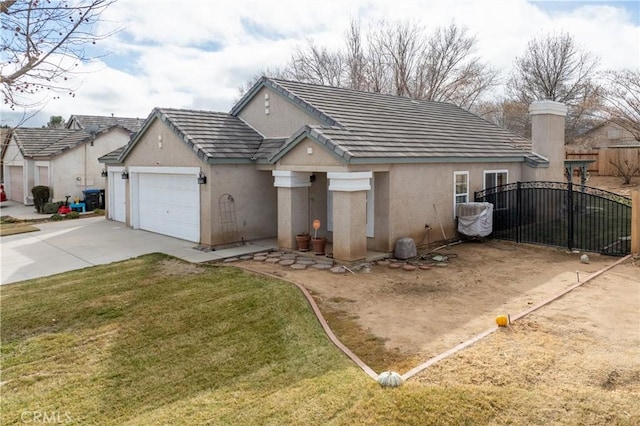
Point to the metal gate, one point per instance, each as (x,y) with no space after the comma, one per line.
(561,214)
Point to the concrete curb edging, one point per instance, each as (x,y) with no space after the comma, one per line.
(414,371)
(323,322)
(490,331)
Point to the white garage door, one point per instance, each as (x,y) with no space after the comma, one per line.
(117,209)
(169,204)
(16,188)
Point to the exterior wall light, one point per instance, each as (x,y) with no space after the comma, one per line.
(125,174)
(202,179)
(103,173)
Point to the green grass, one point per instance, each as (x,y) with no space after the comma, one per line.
(153,340)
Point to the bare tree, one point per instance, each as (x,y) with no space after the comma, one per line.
(403,45)
(401,59)
(451,72)
(554,68)
(626,169)
(316,64)
(42,42)
(274,72)
(622,97)
(355,57)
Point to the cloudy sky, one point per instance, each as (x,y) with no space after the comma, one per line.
(197,53)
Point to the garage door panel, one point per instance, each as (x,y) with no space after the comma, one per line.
(169,204)
(117,197)
(16,188)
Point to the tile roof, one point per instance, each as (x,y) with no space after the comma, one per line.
(46,142)
(359,127)
(112,157)
(103,122)
(364,127)
(213,136)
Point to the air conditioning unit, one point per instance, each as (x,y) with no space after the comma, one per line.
(475,219)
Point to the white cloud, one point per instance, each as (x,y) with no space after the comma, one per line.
(197,54)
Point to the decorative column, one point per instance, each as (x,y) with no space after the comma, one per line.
(293,205)
(349,191)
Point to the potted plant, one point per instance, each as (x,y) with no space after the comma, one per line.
(303,241)
(319,244)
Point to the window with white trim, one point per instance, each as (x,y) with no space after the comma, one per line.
(493,178)
(460,189)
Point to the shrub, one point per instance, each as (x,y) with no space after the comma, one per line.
(51,208)
(98,212)
(72,215)
(57,217)
(41,195)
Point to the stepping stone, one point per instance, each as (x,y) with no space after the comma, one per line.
(321,266)
(230,259)
(298,266)
(408,267)
(246,257)
(305,261)
(259,258)
(338,270)
(424,267)
(274,254)
(289,256)
(272,260)
(395,265)
(383,263)
(287,262)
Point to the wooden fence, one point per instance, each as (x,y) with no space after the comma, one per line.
(604,158)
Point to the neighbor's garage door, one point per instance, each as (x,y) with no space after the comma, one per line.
(16,188)
(169,204)
(117,209)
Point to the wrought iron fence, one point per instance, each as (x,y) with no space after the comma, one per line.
(561,214)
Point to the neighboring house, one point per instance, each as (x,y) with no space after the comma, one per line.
(64,159)
(372,168)
(97,122)
(5,133)
(605,135)
(606,147)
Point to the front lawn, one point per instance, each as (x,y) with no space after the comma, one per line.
(154,340)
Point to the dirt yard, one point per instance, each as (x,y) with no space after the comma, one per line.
(422,313)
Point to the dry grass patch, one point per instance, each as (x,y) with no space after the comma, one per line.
(16,228)
(367,346)
(546,377)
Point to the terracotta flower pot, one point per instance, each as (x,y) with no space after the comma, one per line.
(303,241)
(319,245)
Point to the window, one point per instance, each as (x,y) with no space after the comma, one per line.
(460,189)
(493,178)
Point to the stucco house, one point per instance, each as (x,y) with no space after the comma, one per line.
(64,159)
(372,168)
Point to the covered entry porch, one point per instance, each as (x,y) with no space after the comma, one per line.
(343,202)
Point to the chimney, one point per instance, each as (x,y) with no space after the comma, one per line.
(547,138)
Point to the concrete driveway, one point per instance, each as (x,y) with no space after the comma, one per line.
(74,244)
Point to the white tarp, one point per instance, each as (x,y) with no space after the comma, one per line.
(475,219)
